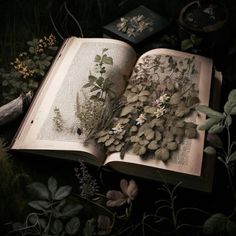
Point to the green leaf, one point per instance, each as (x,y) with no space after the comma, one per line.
(39,205)
(209,112)
(215,224)
(63,192)
(228,120)
(97,59)
(92,79)
(52,186)
(107,60)
(209,123)
(40,190)
(72,226)
(232,157)
(232,95)
(216,129)
(210,150)
(89,227)
(57,227)
(186,44)
(229,106)
(71,210)
(231,228)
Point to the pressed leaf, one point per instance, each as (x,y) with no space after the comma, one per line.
(152,145)
(232,157)
(126,110)
(175,98)
(107,60)
(142,98)
(209,112)
(40,190)
(132,98)
(97,58)
(144,93)
(92,79)
(142,150)
(104,138)
(109,141)
(149,134)
(52,186)
(215,224)
(162,154)
(172,146)
(39,205)
(72,226)
(191,133)
(63,192)
(33,218)
(148,109)
(209,123)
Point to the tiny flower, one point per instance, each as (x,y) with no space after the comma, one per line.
(159,112)
(117,129)
(164,98)
(104,225)
(118,198)
(141,119)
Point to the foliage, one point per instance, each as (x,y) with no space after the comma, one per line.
(191,43)
(215,124)
(52,215)
(27,69)
(160,94)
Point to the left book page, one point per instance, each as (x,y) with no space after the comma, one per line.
(80,69)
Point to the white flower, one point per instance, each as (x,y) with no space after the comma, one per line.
(160,112)
(164,98)
(141,119)
(117,129)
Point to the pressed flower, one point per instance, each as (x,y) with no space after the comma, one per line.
(129,191)
(117,129)
(159,112)
(141,119)
(164,98)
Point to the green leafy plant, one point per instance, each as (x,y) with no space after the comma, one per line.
(26,71)
(157,99)
(191,43)
(52,215)
(98,82)
(215,124)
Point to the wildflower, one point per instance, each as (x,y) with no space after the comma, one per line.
(118,198)
(164,98)
(141,119)
(117,129)
(104,225)
(159,112)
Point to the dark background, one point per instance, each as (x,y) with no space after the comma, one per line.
(23,20)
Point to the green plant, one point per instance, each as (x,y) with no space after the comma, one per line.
(52,214)
(27,70)
(215,124)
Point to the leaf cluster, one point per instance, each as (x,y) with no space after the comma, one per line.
(152,118)
(26,71)
(52,214)
(99,84)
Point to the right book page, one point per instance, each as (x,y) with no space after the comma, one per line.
(190,74)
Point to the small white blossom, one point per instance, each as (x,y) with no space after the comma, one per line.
(141,119)
(164,98)
(117,129)
(160,112)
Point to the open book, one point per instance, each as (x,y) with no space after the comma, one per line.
(101,104)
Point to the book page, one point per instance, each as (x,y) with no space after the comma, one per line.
(189,155)
(52,122)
